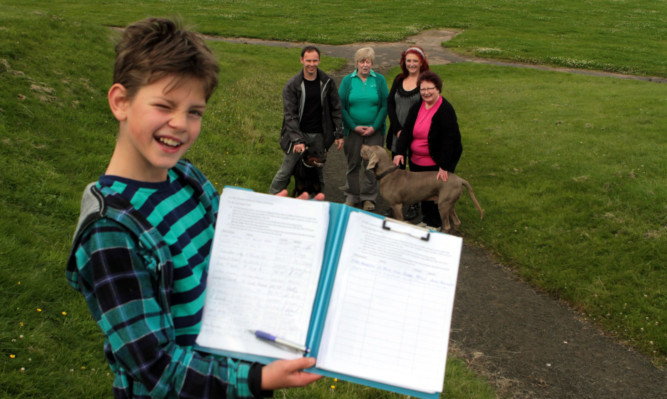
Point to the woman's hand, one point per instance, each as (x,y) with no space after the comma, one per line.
(398,134)
(442,175)
(369,130)
(360,129)
(288,373)
(364,130)
(399,160)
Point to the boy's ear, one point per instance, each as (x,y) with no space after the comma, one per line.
(118,101)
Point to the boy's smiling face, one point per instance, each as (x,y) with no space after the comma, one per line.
(157,126)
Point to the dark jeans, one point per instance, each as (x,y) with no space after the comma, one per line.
(430,213)
(284,175)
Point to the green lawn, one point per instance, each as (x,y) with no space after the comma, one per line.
(612,35)
(569,169)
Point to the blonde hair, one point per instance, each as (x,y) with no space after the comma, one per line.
(364,53)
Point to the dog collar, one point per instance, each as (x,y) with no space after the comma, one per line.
(386,172)
(303,161)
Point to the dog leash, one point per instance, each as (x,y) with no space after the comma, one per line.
(386,172)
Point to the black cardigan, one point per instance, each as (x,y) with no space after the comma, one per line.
(444,137)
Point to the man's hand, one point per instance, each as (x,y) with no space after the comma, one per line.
(318,196)
(399,160)
(288,373)
(339,144)
(299,148)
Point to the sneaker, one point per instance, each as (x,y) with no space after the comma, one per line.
(349,202)
(411,212)
(369,205)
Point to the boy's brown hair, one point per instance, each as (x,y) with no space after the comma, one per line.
(154,48)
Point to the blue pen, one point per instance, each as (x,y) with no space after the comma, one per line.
(272,338)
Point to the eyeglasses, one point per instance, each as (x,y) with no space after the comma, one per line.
(427,88)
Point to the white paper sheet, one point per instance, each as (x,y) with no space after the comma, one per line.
(391,306)
(258,279)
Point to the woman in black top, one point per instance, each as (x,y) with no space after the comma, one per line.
(404,94)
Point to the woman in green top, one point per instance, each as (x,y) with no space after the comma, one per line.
(363,97)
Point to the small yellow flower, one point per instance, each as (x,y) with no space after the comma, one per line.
(39,310)
(335,379)
(19,283)
(12,356)
(333,387)
(21,324)
(64,313)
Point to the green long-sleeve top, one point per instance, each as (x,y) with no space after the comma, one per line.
(364,103)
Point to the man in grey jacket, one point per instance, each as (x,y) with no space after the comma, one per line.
(311,116)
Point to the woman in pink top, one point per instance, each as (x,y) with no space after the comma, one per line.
(431,138)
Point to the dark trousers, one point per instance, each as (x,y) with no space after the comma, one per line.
(430,213)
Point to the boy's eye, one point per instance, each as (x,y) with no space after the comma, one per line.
(197,113)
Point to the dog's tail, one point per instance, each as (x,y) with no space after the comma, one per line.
(472,197)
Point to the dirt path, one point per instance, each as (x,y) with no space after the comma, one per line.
(528,344)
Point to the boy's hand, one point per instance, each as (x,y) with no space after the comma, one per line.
(319,196)
(288,373)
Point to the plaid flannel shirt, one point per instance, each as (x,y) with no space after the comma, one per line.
(123,268)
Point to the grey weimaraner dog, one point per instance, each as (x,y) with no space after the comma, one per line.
(401,187)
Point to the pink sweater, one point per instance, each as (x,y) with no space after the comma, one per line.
(419,146)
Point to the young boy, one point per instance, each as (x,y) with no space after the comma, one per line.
(141,250)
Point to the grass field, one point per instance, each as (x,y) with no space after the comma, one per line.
(613,35)
(570,169)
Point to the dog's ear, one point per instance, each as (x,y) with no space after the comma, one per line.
(372,161)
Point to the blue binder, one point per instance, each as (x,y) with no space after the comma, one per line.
(339,216)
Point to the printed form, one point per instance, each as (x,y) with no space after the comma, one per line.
(391,306)
(265,266)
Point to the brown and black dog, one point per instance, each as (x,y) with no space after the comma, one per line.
(307,172)
(401,187)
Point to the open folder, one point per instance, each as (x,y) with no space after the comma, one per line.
(370,297)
